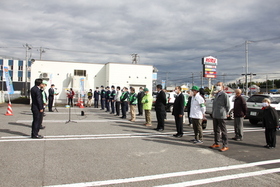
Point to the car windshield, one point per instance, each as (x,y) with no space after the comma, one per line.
(259,99)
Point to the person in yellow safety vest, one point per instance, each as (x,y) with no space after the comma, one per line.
(147,101)
(132,103)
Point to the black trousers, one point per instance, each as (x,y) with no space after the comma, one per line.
(95,103)
(112,106)
(179,124)
(118,104)
(50,105)
(102,103)
(140,108)
(36,123)
(107,105)
(70,101)
(270,136)
(160,113)
(124,108)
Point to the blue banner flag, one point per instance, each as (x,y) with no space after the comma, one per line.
(9,83)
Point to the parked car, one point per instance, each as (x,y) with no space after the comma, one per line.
(254,106)
(209,104)
(170,98)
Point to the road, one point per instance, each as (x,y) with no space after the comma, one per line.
(100,149)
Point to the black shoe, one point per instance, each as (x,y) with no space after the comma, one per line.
(156,129)
(266,146)
(160,130)
(42,127)
(175,135)
(37,137)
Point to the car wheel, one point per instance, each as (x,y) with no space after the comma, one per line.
(231,117)
(254,121)
(171,108)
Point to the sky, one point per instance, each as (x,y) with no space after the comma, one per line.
(171,35)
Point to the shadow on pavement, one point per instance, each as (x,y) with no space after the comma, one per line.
(8,131)
(19,124)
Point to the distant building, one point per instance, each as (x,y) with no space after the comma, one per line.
(66,75)
(17,71)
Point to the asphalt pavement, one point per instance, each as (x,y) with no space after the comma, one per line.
(100,149)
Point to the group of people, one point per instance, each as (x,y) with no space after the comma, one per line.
(117,101)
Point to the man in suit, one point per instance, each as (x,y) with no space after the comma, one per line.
(102,95)
(160,108)
(96,97)
(51,96)
(112,99)
(220,111)
(37,108)
(124,104)
(178,111)
(107,98)
(140,96)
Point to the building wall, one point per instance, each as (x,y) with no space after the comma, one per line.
(62,75)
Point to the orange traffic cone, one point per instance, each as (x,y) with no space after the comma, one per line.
(9,110)
(79,102)
(82,103)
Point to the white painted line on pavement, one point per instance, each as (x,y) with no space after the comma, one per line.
(99,136)
(222,178)
(178,174)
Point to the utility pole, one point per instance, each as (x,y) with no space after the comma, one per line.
(166,80)
(201,74)
(192,80)
(266,84)
(247,65)
(135,58)
(41,52)
(27,47)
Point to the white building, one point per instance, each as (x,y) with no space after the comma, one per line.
(17,70)
(67,75)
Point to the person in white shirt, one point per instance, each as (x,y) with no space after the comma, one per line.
(197,114)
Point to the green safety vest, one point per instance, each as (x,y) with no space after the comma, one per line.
(133,99)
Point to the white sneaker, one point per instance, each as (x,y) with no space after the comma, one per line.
(198,142)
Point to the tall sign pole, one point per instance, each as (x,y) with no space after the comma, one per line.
(209,68)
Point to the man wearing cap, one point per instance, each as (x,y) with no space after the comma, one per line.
(140,96)
(147,102)
(178,111)
(220,111)
(160,108)
(51,96)
(102,95)
(197,113)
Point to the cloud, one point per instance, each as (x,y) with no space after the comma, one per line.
(171,35)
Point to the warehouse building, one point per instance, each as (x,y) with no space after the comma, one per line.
(84,76)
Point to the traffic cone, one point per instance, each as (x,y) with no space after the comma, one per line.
(9,110)
(81,104)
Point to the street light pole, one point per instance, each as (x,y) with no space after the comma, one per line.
(247,66)
(26,68)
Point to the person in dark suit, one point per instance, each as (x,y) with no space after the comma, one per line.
(102,95)
(160,108)
(51,96)
(178,111)
(37,108)
(96,97)
(140,96)
(124,100)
